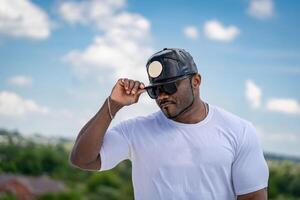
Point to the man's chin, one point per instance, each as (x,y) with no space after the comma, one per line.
(168,114)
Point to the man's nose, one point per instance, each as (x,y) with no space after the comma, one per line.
(162,95)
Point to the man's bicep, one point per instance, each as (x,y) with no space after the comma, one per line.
(257,195)
(115,148)
(92,166)
(249,171)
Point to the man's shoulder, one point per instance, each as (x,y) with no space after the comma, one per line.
(145,119)
(233,124)
(229,118)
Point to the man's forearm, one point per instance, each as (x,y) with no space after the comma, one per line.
(90,138)
(85,153)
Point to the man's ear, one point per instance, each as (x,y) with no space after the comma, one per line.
(196,80)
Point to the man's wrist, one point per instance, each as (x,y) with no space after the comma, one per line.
(114,106)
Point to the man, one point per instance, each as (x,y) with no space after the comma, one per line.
(187,150)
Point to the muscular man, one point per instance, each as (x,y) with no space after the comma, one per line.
(189,149)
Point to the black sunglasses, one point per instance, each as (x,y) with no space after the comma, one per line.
(168,88)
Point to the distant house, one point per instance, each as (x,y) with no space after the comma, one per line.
(27,187)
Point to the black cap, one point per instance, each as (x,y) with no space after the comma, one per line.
(169,65)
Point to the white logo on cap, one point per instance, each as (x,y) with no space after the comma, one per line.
(155,69)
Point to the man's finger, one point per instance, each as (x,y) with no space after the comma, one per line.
(142,86)
(140,91)
(135,87)
(126,83)
(121,81)
(131,84)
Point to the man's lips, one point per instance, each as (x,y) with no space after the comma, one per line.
(165,103)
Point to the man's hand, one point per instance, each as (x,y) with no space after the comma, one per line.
(127,91)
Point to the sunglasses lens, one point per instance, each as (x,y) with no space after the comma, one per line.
(152,92)
(169,88)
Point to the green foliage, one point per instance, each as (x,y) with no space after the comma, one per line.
(104,179)
(284,181)
(61,196)
(7,197)
(18,156)
(111,184)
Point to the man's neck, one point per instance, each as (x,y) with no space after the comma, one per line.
(194,114)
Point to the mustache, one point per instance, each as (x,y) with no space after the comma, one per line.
(162,102)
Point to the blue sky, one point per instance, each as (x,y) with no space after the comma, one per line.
(60,59)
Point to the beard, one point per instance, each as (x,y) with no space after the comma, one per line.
(171,111)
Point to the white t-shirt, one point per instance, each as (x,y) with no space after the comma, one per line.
(217,158)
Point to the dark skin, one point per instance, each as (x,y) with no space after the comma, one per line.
(182,100)
(85,153)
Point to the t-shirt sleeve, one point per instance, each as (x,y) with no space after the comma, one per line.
(249,170)
(115,148)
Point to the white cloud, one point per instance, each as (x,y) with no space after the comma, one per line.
(215,30)
(191,32)
(124,56)
(261,9)
(122,49)
(11,104)
(20,80)
(289,106)
(23,19)
(96,12)
(72,13)
(253,94)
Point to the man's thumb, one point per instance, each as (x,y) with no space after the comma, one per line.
(140,91)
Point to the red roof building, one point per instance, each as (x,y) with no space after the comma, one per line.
(27,187)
